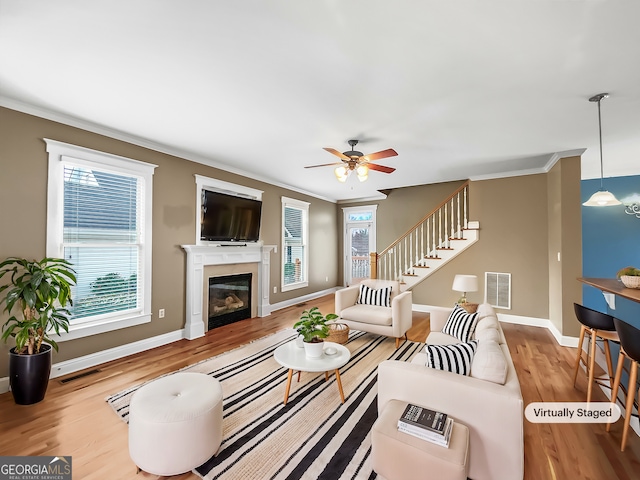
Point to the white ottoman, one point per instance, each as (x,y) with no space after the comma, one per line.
(175,423)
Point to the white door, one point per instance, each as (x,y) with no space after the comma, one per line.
(359,242)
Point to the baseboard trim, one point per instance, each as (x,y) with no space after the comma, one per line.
(302,299)
(76,364)
(563,340)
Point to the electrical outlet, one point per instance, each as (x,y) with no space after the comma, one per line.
(275,289)
(161,313)
(326,279)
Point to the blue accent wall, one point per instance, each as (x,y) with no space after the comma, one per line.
(610,241)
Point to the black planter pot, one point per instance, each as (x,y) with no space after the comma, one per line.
(29,375)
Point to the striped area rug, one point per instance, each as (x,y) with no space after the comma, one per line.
(314,436)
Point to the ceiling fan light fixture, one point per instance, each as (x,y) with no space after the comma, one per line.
(363,172)
(602,198)
(342,173)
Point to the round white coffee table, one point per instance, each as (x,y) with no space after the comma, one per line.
(293,357)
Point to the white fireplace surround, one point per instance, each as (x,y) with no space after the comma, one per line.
(200,256)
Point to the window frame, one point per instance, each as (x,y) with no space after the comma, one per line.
(61,154)
(304,207)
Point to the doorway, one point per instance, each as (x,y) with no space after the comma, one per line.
(359,242)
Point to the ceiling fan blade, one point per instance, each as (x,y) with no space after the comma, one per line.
(325,165)
(380,168)
(389,152)
(338,154)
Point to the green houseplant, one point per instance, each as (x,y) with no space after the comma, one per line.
(40,292)
(313,328)
(630,276)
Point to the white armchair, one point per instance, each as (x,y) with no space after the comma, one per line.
(391,321)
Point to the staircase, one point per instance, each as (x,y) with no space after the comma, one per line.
(441,235)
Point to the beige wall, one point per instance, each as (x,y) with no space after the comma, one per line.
(565,244)
(401,210)
(523,221)
(23,190)
(512,214)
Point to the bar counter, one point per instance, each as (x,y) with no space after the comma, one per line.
(613,285)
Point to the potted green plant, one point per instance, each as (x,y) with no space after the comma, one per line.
(313,328)
(40,291)
(630,276)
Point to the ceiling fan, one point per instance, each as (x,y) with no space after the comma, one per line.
(354,160)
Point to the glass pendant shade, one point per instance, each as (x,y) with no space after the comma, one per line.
(602,198)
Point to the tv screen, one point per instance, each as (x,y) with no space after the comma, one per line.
(229,218)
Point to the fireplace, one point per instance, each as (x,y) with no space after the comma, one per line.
(229,299)
(206,261)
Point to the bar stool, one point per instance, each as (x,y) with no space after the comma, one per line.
(630,348)
(596,325)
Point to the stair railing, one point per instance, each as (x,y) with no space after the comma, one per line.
(432,233)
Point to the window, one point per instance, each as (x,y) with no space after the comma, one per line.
(99,219)
(295,234)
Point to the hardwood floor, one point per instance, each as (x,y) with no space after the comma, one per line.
(75,420)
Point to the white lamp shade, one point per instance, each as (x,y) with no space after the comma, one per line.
(465,283)
(602,198)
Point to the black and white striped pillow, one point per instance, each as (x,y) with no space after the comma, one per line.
(454,358)
(370,296)
(461,324)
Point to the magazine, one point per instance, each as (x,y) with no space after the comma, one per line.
(438,439)
(423,418)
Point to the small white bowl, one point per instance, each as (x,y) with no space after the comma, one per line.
(330,351)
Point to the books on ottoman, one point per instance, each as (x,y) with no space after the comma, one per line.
(426,424)
(424,418)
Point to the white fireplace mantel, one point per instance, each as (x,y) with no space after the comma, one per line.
(200,256)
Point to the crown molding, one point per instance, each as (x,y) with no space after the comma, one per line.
(19,106)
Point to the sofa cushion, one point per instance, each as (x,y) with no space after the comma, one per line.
(488,322)
(488,334)
(454,358)
(439,338)
(370,296)
(489,362)
(367,314)
(461,324)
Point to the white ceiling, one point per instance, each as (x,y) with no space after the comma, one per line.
(460,89)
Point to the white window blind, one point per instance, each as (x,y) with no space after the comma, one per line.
(99,211)
(294,239)
(102,238)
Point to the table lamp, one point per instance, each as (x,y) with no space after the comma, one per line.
(464,284)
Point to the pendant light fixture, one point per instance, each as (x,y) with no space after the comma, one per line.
(602,198)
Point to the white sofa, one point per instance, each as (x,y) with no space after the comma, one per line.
(492,411)
(391,321)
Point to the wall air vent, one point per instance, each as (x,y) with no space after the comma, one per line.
(497,291)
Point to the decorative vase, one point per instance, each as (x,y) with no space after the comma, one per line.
(29,375)
(313,349)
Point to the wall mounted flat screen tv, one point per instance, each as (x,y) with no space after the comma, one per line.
(228,218)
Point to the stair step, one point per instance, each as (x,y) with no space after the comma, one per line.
(409,275)
(421,266)
(444,248)
(457,238)
(433,258)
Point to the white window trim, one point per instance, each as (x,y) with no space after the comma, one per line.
(60,152)
(292,202)
(220,186)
